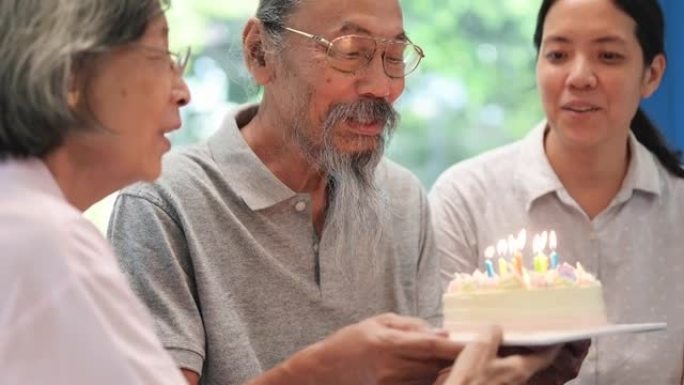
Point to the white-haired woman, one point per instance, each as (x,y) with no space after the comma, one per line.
(88,91)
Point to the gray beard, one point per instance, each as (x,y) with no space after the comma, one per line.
(358,211)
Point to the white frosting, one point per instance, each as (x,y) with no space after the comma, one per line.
(558,299)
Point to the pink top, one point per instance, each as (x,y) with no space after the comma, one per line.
(67,315)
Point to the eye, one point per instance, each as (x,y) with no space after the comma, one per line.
(555,56)
(358,54)
(611,57)
(394,55)
(394,60)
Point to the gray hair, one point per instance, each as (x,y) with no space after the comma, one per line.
(42,44)
(273,14)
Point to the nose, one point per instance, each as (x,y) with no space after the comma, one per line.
(180,92)
(373,81)
(582,75)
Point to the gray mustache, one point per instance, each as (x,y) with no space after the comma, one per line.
(363,111)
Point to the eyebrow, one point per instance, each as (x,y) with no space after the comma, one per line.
(349,27)
(611,39)
(600,40)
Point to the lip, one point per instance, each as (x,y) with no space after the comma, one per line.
(165,132)
(374,128)
(580,107)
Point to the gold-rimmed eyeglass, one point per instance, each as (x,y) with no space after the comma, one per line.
(350,53)
(178,59)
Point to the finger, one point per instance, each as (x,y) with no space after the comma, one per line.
(422,346)
(509,370)
(398,322)
(404,372)
(442,376)
(519,368)
(476,356)
(492,337)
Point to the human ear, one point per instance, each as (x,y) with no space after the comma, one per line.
(653,76)
(254,47)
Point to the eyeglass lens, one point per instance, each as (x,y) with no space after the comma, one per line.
(350,53)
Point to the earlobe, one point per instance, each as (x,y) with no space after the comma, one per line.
(73,97)
(654,75)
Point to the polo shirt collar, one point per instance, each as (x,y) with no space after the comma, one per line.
(644,171)
(248,176)
(535,177)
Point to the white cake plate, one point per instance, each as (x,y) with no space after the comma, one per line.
(544,338)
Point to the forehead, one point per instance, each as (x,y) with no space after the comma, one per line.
(591,19)
(157,29)
(378,17)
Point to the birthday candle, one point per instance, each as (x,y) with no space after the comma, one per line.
(503,267)
(540,261)
(489,266)
(552,245)
(554,260)
(518,262)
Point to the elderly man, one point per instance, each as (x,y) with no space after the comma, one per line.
(289,224)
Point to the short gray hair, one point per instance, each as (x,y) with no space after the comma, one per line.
(42,43)
(273,14)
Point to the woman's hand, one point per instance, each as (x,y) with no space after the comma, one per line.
(479,363)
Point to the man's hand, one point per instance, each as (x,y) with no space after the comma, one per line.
(387,349)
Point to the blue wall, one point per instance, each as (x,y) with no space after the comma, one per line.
(666,106)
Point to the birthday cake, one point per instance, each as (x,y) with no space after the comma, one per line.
(550,297)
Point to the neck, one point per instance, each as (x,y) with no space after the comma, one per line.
(271,143)
(82,182)
(592,176)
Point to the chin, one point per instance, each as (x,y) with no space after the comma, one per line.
(357,144)
(151,173)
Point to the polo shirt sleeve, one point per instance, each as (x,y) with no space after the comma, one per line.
(456,244)
(153,253)
(429,290)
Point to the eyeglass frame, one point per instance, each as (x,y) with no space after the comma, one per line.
(328,44)
(180,58)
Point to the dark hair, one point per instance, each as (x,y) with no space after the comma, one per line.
(650,33)
(42,43)
(274,13)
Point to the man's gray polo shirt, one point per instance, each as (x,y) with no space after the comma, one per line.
(226,258)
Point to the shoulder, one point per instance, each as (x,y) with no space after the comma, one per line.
(41,217)
(476,174)
(45,239)
(398,179)
(184,173)
(672,186)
